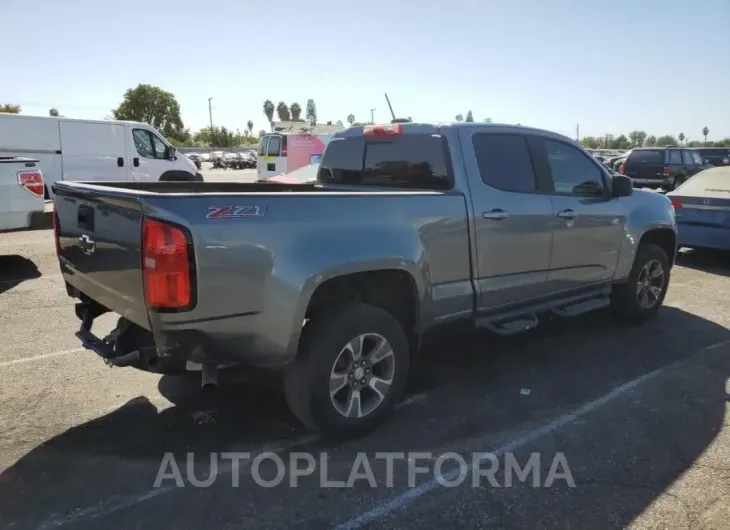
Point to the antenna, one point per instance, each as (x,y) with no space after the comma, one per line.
(390,106)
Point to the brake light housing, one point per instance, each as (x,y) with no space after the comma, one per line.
(32,182)
(676,203)
(168,266)
(666,171)
(391,129)
(621,169)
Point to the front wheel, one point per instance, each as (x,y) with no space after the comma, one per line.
(350,371)
(640,298)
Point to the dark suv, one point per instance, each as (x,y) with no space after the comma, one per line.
(716,156)
(665,167)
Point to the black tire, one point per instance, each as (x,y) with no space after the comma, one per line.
(678,181)
(306,380)
(624,297)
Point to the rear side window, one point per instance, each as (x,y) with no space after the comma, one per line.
(504,162)
(675,156)
(274,146)
(262,145)
(408,161)
(647,156)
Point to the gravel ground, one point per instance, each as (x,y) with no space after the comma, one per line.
(639,415)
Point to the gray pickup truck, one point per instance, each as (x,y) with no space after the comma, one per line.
(408,227)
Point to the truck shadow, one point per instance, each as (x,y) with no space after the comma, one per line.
(572,361)
(15,269)
(707,260)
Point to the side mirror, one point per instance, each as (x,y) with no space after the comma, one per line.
(171,151)
(623,186)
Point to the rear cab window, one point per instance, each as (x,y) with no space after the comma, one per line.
(272,145)
(646,156)
(411,161)
(263,143)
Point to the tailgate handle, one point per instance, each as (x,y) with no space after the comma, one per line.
(86,217)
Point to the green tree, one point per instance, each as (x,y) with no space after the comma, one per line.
(469,117)
(311,112)
(705,132)
(296,111)
(591,142)
(249,126)
(459,117)
(282,111)
(651,141)
(637,138)
(53,112)
(350,119)
(269,110)
(261,133)
(620,142)
(339,123)
(10,108)
(667,139)
(152,105)
(681,137)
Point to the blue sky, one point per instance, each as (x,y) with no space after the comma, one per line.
(658,65)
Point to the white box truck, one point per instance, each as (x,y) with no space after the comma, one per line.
(70,149)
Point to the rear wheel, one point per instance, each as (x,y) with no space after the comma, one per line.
(678,181)
(639,299)
(350,371)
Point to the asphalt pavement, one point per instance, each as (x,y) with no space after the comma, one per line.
(629,425)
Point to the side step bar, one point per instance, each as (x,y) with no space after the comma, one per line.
(526,319)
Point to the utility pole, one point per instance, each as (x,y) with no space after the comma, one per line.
(372,115)
(577,132)
(210,112)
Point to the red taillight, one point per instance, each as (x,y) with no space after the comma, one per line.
(621,169)
(31,181)
(392,129)
(166,266)
(666,171)
(283,146)
(676,203)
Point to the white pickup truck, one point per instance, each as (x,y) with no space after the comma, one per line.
(21,194)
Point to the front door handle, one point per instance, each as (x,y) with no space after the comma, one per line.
(120,162)
(135,162)
(567,214)
(495,215)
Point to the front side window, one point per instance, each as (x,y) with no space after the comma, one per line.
(504,162)
(159,145)
(143,143)
(573,172)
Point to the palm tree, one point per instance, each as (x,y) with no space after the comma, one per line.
(705,132)
(282,111)
(351,119)
(681,137)
(296,111)
(269,110)
(249,126)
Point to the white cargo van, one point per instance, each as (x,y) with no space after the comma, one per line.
(69,149)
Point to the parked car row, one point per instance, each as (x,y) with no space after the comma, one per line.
(242,160)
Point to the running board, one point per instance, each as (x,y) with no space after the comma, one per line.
(580,308)
(509,326)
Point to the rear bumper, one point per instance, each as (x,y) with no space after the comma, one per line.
(703,236)
(663,182)
(17,222)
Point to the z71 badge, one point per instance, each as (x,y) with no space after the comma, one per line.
(235,212)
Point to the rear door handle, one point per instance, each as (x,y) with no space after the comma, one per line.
(135,162)
(120,162)
(495,215)
(567,214)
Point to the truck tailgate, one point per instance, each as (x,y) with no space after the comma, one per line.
(100,238)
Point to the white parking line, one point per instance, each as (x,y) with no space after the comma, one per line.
(407,498)
(39,357)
